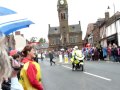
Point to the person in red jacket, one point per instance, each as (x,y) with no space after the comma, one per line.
(30,75)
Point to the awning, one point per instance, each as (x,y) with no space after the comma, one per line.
(5,11)
(11,26)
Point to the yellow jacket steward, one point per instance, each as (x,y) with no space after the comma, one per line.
(24,78)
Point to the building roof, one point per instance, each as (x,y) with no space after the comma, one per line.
(54,30)
(113,18)
(72,28)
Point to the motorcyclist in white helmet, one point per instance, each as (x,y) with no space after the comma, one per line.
(76,56)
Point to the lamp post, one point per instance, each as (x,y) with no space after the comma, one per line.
(115,20)
(115,24)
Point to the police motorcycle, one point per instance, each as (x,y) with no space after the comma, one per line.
(78,61)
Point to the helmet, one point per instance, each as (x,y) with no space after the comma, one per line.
(76,47)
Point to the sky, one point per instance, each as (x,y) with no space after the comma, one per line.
(44,12)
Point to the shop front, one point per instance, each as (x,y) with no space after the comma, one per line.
(112,39)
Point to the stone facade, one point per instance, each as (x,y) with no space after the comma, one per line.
(105,30)
(64,36)
(96,32)
(89,36)
(10,42)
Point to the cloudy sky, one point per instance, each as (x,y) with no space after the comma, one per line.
(44,12)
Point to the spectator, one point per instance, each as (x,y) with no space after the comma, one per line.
(30,75)
(51,58)
(16,65)
(5,67)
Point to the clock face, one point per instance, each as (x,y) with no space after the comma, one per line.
(61,2)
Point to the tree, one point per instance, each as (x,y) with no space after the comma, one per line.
(33,39)
(42,40)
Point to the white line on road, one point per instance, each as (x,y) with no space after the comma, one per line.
(97,76)
(91,74)
(66,67)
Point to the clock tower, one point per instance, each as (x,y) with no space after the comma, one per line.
(62,8)
(64,36)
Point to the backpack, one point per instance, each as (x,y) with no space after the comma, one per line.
(6,85)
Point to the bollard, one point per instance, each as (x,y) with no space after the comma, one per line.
(66,58)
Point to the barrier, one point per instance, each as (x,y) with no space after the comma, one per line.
(66,58)
(60,58)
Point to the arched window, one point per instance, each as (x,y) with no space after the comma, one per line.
(64,40)
(62,16)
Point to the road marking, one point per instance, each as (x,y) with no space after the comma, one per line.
(66,67)
(97,76)
(91,74)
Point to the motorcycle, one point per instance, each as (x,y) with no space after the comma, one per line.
(78,63)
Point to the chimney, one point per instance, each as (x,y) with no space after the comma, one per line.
(22,35)
(79,23)
(107,15)
(17,33)
(49,25)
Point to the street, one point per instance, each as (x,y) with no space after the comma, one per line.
(98,75)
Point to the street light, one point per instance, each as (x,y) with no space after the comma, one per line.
(115,20)
(115,24)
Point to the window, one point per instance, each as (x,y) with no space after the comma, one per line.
(76,39)
(53,42)
(55,29)
(64,40)
(70,39)
(63,27)
(73,27)
(113,27)
(57,41)
(63,16)
(73,39)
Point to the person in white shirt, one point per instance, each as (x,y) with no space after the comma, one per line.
(16,65)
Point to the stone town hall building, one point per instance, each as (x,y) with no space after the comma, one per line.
(64,36)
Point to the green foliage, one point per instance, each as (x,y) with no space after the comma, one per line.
(42,40)
(33,39)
